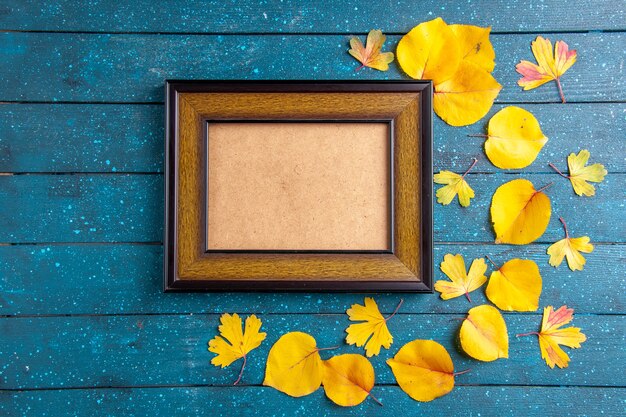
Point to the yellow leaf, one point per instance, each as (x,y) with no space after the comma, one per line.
(373,328)
(294,365)
(519,213)
(570,248)
(475,45)
(514,138)
(235,343)
(579,173)
(456,184)
(348,379)
(370,56)
(423,369)
(551,67)
(429,51)
(461,282)
(483,334)
(467,96)
(551,336)
(515,286)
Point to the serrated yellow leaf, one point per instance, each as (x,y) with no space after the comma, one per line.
(348,379)
(580,173)
(294,365)
(371,55)
(430,51)
(373,331)
(475,45)
(514,138)
(467,96)
(570,248)
(483,334)
(515,286)
(461,282)
(423,369)
(519,213)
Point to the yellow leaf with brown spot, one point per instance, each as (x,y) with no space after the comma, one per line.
(475,45)
(348,379)
(371,55)
(515,286)
(484,335)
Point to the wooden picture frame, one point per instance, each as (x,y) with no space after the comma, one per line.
(200,111)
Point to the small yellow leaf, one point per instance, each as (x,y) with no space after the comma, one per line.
(371,55)
(519,213)
(580,173)
(456,184)
(423,369)
(294,365)
(551,336)
(475,45)
(467,96)
(373,331)
(235,343)
(514,138)
(483,334)
(429,51)
(348,379)
(570,248)
(515,286)
(461,282)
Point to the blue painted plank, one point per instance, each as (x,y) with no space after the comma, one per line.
(261,401)
(129,208)
(126,351)
(132,68)
(129,138)
(305,16)
(127,279)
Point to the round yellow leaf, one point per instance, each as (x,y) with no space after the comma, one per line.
(294,365)
(467,96)
(348,379)
(429,51)
(514,138)
(423,369)
(519,213)
(483,334)
(475,45)
(516,286)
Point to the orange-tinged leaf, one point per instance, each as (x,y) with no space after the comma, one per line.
(519,213)
(461,282)
(467,96)
(570,248)
(514,138)
(371,55)
(552,336)
(515,286)
(348,379)
(455,184)
(429,51)
(483,334)
(294,365)
(423,369)
(233,343)
(475,45)
(373,331)
(550,66)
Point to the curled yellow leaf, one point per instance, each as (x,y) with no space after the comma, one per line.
(519,213)
(483,334)
(515,286)
(475,45)
(348,379)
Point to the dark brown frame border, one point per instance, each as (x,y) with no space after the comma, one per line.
(407,105)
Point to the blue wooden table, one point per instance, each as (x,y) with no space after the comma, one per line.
(84,326)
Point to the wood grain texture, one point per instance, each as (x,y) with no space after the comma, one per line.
(94,68)
(317,16)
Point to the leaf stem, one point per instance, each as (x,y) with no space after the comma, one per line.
(545,187)
(564,227)
(558,84)
(474,161)
(461,372)
(557,170)
(241,372)
(468,297)
(359,67)
(396,310)
(492,262)
(527,334)
(328,348)
(478,135)
(375,399)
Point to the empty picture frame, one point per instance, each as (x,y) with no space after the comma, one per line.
(298,186)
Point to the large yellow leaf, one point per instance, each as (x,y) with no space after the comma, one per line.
(423,369)
(519,213)
(371,55)
(514,138)
(551,336)
(294,365)
(467,96)
(348,379)
(461,282)
(483,334)
(475,45)
(515,286)
(235,343)
(570,248)
(373,331)
(429,51)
